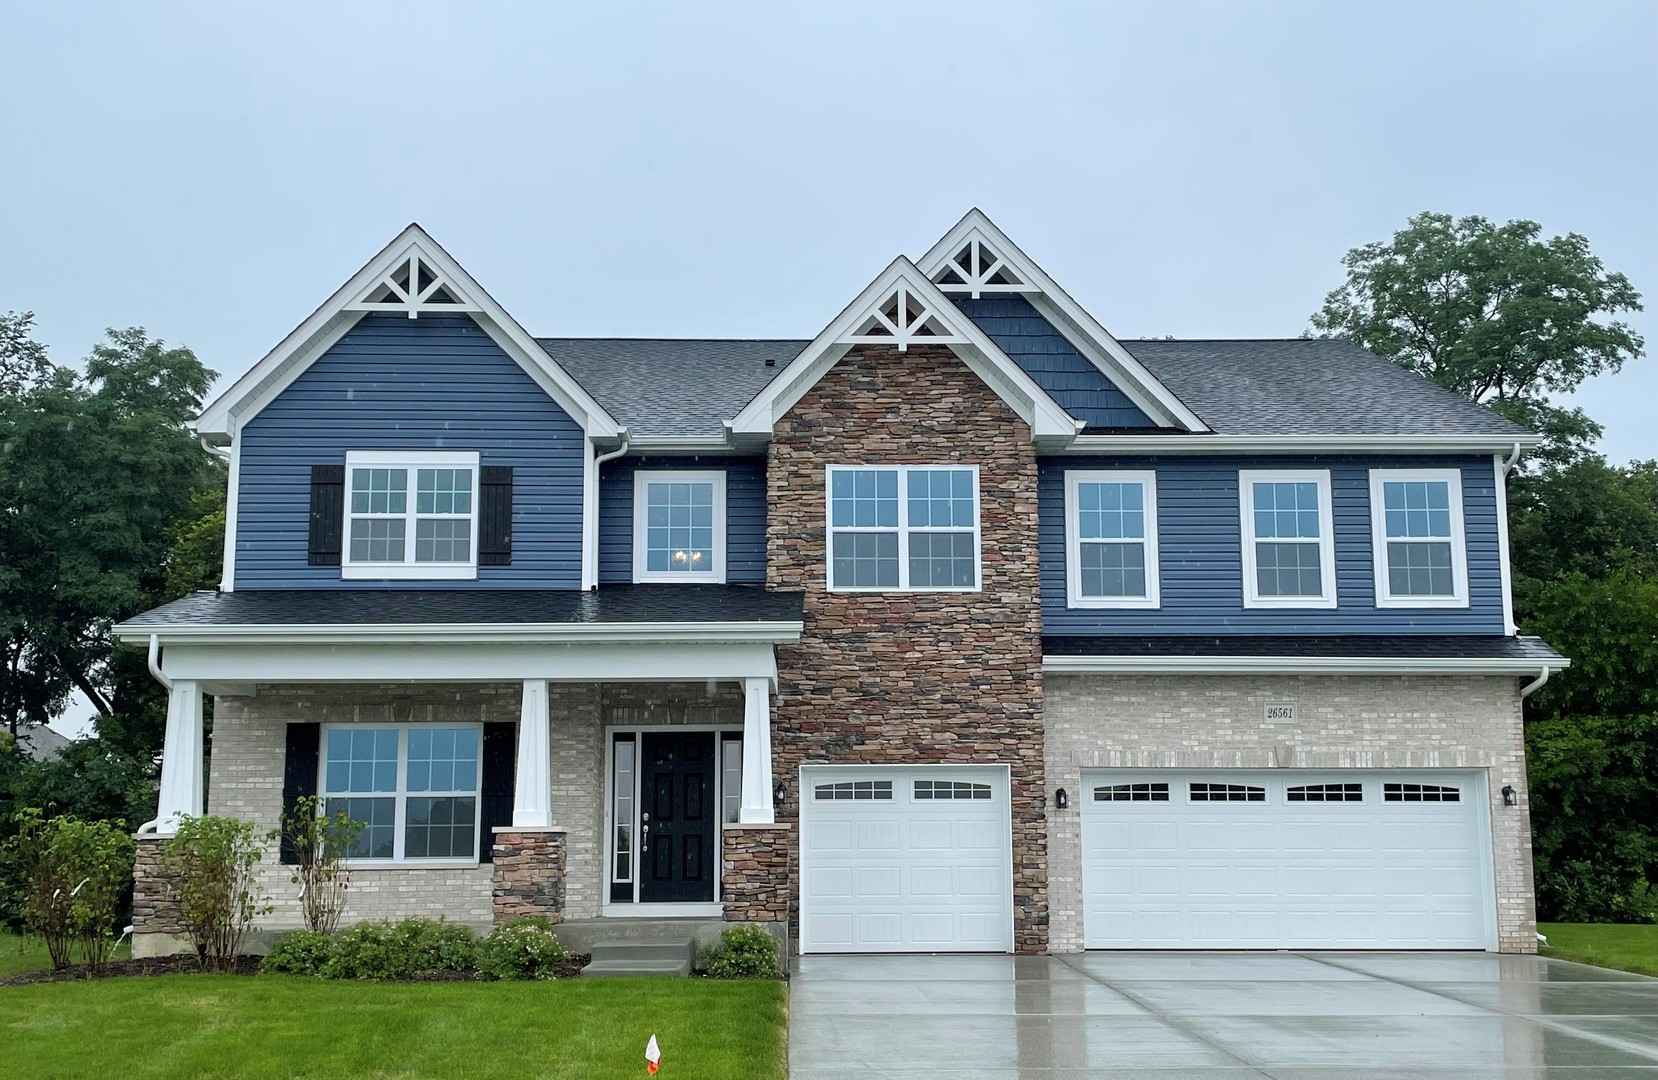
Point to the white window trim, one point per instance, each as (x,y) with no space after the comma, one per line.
(1073,539)
(903,530)
(408,569)
(1247,479)
(401,795)
(714,574)
(1452,478)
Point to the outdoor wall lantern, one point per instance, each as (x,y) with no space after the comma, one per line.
(1509,796)
(1062,800)
(779,794)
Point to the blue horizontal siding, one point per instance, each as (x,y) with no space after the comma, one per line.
(394,383)
(1200,552)
(745,514)
(1055,365)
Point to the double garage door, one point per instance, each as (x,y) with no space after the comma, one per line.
(1272,859)
(906,859)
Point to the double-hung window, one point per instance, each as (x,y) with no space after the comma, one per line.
(679,526)
(1289,551)
(1111,539)
(411,515)
(910,528)
(413,788)
(1417,538)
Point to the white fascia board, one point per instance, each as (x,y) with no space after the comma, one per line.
(1120,365)
(463,633)
(325,326)
(1298,444)
(680,444)
(1045,417)
(1296,665)
(245,664)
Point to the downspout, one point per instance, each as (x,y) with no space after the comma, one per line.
(591,515)
(1513,460)
(155,669)
(600,459)
(220,452)
(1536,684)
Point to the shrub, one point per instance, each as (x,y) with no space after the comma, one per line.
(745,951)
(521,949)
(210,865)
(73,875)
(302,952)
(320,841)
(402,950)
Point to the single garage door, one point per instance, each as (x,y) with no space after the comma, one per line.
(1286,859)
(905,859)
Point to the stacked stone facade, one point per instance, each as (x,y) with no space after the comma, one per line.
(897,677)
(1342,722)
(529,874)
(759,865)
(153,907)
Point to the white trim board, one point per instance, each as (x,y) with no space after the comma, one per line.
(462,633)
(1298,665)
(341,311)
(1298,444)
(1130,376)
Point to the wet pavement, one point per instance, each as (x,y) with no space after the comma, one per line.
(1220,1016)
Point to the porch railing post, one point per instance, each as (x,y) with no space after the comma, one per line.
(757,803)
(532,797)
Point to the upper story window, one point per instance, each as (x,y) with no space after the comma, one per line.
(910,528)
(1111,539)
(1289,551)
(410,514)
(679,526)
(1417,538)
(413,787)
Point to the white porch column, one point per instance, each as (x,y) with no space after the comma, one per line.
(532,794)
(757,804)
(181,757)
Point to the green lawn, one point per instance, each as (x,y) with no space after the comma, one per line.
(280,1026)
(1627,948)
(26,954)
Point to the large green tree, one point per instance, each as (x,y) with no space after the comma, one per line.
(1494,312)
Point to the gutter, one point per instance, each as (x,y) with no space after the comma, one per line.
(763,632)
(1202,444)
(1293,665)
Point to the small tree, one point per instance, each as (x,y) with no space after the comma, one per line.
(320,841)
(210,867)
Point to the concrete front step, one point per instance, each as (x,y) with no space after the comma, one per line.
(635,957)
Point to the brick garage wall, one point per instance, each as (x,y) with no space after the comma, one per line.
(914,677)
(1343,722)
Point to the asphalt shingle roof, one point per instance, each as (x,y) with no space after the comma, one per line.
(1289,386)
(612,604)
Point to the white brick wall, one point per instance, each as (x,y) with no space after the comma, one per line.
(1343,722)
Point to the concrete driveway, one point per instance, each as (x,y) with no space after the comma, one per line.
(1220,1016)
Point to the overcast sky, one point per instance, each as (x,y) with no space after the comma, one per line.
(213,171)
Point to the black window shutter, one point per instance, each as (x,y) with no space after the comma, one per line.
(327,514)
(500,746)
(299,777)
(495,515)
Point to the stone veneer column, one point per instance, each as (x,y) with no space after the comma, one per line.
(154,910)
(913,677)
(757,872)
(528,873)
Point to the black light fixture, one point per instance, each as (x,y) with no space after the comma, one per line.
(1062,799)
(779,794)
(1510,797)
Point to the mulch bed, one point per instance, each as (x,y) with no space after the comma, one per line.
(245,965)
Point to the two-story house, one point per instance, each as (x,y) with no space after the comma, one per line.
(960,626)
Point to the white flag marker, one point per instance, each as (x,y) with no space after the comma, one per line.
(653,1057)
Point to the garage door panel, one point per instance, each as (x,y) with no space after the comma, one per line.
(1349,873)
(929,874)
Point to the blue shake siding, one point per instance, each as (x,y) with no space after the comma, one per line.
(1200,551)
(392,383)
(745,514)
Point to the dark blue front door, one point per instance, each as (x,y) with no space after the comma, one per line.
(678,816)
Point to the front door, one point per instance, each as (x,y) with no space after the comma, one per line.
(677,817)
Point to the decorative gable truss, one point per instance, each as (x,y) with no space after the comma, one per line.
(976,258)
(413,285)
(902,308)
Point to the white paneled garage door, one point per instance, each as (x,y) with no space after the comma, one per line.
(1286,859)
(905,859)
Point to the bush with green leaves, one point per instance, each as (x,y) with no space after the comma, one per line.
(744,951)
(301,952)
(402,950)
(521,949)
(209,865)
(320,842)
(73,876)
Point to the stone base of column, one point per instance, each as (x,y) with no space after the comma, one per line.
(756,880)
(157,929)
(528,873)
